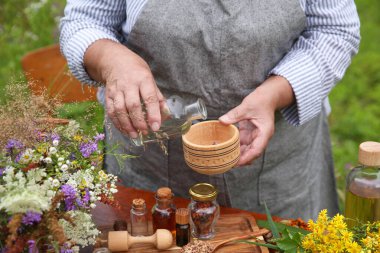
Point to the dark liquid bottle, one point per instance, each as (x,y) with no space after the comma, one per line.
(164,211)
(182,227)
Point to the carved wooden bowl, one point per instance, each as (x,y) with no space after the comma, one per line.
(211,147)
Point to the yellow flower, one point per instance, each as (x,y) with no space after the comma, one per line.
(77,138)
(329,235)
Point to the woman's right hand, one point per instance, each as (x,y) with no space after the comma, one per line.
(129,82)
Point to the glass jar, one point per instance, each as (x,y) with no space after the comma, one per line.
(163,212)
(363,187)
(204,210)
(176,120)
(139,219)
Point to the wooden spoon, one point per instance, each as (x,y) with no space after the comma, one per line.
(257,233)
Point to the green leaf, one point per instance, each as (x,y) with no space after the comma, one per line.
(281,227)
(290,242)
(272,225)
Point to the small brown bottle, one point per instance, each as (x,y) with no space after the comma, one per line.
(163,213)
(182,227)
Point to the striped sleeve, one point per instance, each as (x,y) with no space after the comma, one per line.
(84,22)
(321,55)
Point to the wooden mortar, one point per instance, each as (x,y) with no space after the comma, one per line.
(211,147)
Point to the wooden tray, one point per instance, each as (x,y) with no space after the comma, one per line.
(227,226)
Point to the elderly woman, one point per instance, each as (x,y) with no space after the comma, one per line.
(267,65)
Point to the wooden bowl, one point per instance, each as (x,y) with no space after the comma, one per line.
(211,147)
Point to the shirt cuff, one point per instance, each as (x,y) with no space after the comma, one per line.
(302,74)
(76,47)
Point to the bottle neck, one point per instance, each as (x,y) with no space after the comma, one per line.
(138,210)
(164,203)
(196,110)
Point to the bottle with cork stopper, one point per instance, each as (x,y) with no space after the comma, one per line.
(182,227)
(363,186)
(139,220)
(163,213)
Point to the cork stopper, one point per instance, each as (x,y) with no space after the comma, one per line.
(369,153)
(138,203)
(182,216)
(164,193)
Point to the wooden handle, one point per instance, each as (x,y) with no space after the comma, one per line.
(242,237)
(142,239)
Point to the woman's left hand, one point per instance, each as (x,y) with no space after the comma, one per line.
(255,116)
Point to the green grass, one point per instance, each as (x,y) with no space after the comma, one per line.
(26,25)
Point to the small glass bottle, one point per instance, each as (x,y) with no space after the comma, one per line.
(182,227)
(139,220)
(363,187)
(176,120)
(163,213)
(204,210)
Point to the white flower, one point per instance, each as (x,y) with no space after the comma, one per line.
(75,249)
(27,156)
(61,159)
(56,183)
(92,168)
(60,164)
(68,162)
(55,143)
(21,200)
(52,150)
(113,190)
(83,232)
(48,160)
(92,205)
(64,167)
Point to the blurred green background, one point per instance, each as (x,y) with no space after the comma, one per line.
(26,25)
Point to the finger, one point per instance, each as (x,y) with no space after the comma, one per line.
(134,108)
(110,109)
(152,104)
(235,115)
(122,115)
(256,148)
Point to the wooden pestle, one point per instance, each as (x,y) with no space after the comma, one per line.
(122,240)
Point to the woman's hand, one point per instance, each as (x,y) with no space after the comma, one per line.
(255,116)
(129,82)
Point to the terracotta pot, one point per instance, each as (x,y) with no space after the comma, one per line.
(211,147)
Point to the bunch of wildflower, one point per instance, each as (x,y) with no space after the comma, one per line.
(330,235)
(60,172)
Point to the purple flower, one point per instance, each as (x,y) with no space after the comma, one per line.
(70,197)
(12,144)
(55,137)
(72,157)
(1,174)
(88,148)
(86,197)
(30,218)
(99,137)
(32,246)
(65,249)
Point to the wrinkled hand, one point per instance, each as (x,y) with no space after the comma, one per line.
(129,84)
(255,116)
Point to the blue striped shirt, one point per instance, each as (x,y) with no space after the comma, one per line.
(315,63)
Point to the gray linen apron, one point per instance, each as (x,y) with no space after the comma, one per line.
(220,51)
